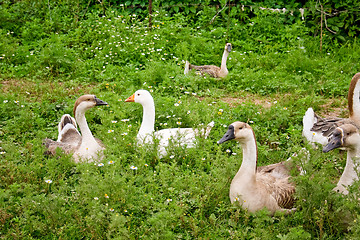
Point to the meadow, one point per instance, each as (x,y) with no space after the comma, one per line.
(276,71)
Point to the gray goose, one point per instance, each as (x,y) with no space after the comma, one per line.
(317,129)
(83,146)
(346,136)
(212,70)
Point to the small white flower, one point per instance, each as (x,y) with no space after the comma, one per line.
(234,153)
(125,120)
(225,125)
(172,156)
(188,112)
(111,209)
(178,123)
(129,126)
(251,121)
(96,198)
(48,181)
(228,150)
(133,168)
(124,134)
(100,165)
(111,162)
(110,131)
(146,165)
(2,152)
(113,121)
(176,104)
(169,200)
(221,110)
(5,101)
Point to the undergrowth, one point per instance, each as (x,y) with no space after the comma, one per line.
(276,72)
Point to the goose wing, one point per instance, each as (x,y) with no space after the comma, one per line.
(318,129)
(70,135)
(277,170)
(212,70)
(52,145)
(279,188)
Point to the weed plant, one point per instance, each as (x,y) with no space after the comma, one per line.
(276,73)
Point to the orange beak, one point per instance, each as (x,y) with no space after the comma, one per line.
(131,98)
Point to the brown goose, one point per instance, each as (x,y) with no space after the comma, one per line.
(213,71)
(255,189)
(346,136)
(85,146)
(317,129)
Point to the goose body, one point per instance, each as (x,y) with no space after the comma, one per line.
(212,70)
(181,136)
(257,188)
(317,129)
(346,136)
(83,146)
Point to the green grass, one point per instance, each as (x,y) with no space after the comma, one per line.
(184,195)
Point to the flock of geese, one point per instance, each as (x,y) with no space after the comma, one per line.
(253,187)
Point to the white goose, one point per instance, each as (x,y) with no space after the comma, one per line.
(212,70)
(346,136)
(317,129)
(184,136)
(253,188)
(85,146)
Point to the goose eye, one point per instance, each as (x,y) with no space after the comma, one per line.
(138,94)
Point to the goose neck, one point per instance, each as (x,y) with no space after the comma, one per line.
(248,166)
(353,99)
(148,120)
(84,128)
(223,60)
(352,167)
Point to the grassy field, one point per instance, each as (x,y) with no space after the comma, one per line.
(276,72)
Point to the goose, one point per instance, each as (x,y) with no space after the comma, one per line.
(346,136)
(83,146)
(184,136)
(317,129)
(213,71)
(257,188)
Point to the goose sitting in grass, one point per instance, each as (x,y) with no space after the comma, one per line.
(257,188)
(317,129)
(346,136)
(183,136)
(83,146)
(213,71)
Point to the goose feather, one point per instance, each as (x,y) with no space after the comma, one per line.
(257,188)
(212,70)
(346,136)
(317,129)
(85,146)
(181,136)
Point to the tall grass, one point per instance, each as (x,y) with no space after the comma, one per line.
(276,73)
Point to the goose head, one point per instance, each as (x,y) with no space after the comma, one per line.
(346,136)
(228,47)
(140,96)
(86,102)
(239,131)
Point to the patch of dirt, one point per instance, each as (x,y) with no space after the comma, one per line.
(34,91)
(329,111)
